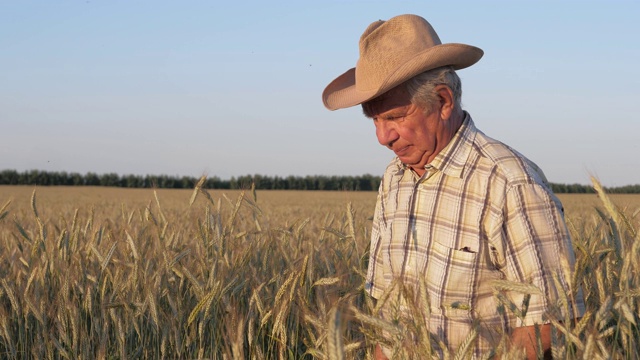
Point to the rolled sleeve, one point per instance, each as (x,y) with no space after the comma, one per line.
(374,282)
(535,242)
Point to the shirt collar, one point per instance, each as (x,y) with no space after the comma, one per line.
(453,158)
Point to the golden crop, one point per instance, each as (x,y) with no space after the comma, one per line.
(131,273)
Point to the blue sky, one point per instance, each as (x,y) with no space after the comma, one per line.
(234,88)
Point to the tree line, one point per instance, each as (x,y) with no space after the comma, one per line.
(316,182)
(261,182)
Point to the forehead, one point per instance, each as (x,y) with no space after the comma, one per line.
(395,98)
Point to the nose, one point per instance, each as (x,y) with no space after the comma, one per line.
(386,133)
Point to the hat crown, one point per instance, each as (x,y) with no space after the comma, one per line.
(392,52)
(386,45)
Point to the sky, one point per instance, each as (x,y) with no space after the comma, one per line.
(230,88)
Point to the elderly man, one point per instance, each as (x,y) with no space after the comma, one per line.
(456,209)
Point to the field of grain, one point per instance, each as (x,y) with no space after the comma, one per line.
(283,204)
(135,273)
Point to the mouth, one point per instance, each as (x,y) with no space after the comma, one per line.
(401,150)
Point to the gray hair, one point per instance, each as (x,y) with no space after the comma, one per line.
(421,87)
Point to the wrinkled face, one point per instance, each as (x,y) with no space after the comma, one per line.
(404,128)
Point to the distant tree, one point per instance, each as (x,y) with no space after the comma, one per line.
(216,183)
(37,177)
(244,182)
(92,179)
(278,183)
(187,182)
(131,181)
(76,179)
(110,179)
(9,177)
(558,188)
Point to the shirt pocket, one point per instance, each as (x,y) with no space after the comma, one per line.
(450,275)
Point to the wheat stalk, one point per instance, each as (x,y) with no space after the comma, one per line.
(335,344)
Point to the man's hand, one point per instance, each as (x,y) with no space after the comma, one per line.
(378,354)
(525,337)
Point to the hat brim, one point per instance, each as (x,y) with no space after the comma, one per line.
(343,93)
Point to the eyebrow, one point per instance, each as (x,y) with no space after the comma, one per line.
(392,114)
(392,110)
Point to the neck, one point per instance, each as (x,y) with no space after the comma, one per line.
(449,129)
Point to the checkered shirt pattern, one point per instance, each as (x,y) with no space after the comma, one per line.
(481,212)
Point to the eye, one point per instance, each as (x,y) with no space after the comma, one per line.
(389,118)
(394,118)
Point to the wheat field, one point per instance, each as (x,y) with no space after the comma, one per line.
(110,273)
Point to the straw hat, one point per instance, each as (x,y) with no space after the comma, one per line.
(392,52)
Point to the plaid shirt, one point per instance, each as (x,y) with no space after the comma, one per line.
(481,212)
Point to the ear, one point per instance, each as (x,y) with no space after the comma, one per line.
(445,97)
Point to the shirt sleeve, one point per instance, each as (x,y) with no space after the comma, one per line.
(374,283)
(536,245)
